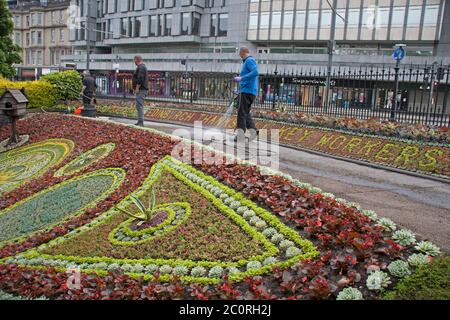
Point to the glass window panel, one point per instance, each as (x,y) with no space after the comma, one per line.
(185,21)
(300,18)
(153,25)
(353,17)
(213,27)
(383,17)
(325,21)
(196,24)
(161,28)
(288,19)
(276,20)
(223,24)
(123,27)
(168,31)
(313,18)
(253,24)
(137,27)
(340,19)
(398,17)
(264,21)
(431,15)
(368,18)
(414,15)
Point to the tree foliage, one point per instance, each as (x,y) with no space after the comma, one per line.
(9,51)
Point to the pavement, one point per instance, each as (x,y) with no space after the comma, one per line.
(419,204)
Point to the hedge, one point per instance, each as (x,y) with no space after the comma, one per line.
(41,93)
(68,84)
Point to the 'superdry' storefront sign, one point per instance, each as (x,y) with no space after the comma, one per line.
(312,82)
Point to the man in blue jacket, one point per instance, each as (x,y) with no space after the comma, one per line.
(248,81)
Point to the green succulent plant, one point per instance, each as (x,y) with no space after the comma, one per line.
(350,294)
(399,269)
(165,269)
(418,260)
(145,213)
(269,232)
(387,224)
(181,270)
(198,271)
(428,248)
(270,260)
(372,215)
(233,270)
(378,280)
(404,237)
(292,252)
(253,265)
(215,272)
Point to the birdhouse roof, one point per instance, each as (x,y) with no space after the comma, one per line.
(16,94)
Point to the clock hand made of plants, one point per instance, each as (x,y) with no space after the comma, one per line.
(86,159)
(56,204)
(181,223)
(21,165)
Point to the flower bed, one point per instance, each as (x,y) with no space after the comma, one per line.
(387,148)
(429,158)
(229,231)
(373,126)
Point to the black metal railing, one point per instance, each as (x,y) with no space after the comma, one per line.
(364,93)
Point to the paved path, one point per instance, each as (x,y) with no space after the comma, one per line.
(418,204)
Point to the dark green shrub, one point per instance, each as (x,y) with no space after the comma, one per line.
(431,282)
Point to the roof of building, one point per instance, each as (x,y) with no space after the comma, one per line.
(25,5)
(16,94)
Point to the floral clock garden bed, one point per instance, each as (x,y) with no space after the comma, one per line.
(75,194)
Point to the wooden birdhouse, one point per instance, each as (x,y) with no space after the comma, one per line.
(13,103)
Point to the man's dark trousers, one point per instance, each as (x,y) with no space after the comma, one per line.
(245,121)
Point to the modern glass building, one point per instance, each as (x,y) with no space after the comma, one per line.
(283,34)
(367,27)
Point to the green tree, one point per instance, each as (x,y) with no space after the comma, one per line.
(9,51)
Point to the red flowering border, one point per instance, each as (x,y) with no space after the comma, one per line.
(428,158)
(349,241)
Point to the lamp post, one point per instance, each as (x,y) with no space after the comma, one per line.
(331,49)
(432,84)
(399,55)
(275,89)
(88,36)
(116,67)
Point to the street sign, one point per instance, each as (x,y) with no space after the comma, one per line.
(399,54)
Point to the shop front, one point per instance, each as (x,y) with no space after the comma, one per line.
(28,74)
(121,83)
(157,84)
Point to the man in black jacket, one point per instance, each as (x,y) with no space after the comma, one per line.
(140,87)
(88,92)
